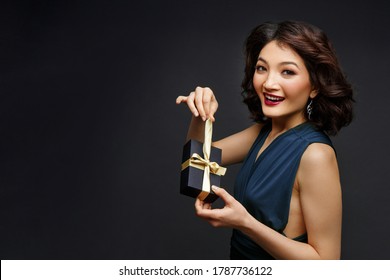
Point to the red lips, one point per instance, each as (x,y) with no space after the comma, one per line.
(272,100)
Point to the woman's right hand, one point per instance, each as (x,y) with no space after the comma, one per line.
(201,102)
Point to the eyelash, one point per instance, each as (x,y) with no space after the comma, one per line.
(260,68)
(284,72)
(288,72)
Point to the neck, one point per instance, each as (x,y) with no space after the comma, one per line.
(280,125)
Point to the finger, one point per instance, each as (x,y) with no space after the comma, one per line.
(181,99)
(199,102)
(206,205)
(207,97)
(203,209)
(200,206)
(213,109)
(214,223)
(191,104)
(226,197)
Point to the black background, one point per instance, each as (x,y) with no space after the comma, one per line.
(91,137)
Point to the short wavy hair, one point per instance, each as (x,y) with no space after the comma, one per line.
(332,107)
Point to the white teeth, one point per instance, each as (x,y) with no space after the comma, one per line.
(274,98)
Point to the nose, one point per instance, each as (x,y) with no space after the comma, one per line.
(271,82)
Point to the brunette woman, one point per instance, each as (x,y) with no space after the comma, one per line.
(287,197)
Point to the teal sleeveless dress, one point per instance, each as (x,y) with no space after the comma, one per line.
(264,186)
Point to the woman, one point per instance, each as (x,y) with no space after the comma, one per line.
(287,198)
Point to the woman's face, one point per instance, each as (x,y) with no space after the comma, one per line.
(282,83)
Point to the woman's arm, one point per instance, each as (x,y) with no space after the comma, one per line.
(320,195)
(321,199)
(235,147)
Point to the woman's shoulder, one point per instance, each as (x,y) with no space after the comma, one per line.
(318,167)
(311,134)
(317,155)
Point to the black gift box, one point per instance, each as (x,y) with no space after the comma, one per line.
(191,178)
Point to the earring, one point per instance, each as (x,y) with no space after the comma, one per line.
(309,109)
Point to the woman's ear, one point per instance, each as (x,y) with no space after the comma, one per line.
(313,93)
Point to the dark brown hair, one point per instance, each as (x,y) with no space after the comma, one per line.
(332,107)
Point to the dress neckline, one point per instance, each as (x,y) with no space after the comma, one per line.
(268,129)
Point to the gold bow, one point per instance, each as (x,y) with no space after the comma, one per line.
(204,163)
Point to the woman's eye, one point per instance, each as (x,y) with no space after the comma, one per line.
(260,68)
(288,72)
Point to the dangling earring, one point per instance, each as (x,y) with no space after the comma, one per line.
(309,109)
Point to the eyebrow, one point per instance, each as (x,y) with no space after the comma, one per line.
(282,63)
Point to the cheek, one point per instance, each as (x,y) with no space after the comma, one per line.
(295,88)
(258,81)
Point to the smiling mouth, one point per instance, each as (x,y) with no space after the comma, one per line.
(272,99)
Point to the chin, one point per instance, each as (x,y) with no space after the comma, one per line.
(271,115)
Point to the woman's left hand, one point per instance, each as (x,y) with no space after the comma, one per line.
(233,214)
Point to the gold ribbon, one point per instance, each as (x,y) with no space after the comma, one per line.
(204,163)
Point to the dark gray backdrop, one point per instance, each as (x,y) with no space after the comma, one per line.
(91,137)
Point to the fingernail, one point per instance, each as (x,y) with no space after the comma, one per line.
(214,188)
